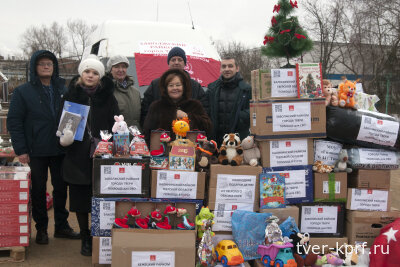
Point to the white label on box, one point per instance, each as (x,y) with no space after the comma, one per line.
(23,219)
(23,229)
(107,214)
(23,195)
(23,184)
(23,240)
(283,83)
(382,132)
(254,120)
(319,219)
(105,250)
(367,199)
(325,187)
(288,153)
(225,206)
(222,221)
(121,179)
(295,184)
(377,156)
(236,188)
(153,258)
(326,151)
(176,184)
(23,207)
(291,117)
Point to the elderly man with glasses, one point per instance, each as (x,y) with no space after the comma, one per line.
(32,122)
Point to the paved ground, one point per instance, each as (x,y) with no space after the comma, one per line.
(58,253)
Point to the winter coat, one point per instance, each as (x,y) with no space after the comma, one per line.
(152,94)
(128,101)
(30,121)
(77,166)
(162,112)
(226,100)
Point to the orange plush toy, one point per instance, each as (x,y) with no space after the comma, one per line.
(347,91)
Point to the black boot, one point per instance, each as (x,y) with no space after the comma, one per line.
(86,249)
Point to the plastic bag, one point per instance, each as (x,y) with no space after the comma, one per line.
(104,147)
(138,146)
(373,159)
(288,226)
(248,230)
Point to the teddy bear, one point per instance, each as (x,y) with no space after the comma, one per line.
(120,125)
(342,162)
(251,153)
(346,94)
(330,94)
(231,151)
(206,155)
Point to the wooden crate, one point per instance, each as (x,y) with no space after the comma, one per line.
(12,254)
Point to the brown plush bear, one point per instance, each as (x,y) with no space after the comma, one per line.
(231,151)
(205,155)
(251,152)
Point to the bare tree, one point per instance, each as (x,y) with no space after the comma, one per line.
(51,38)
(79,32)
(248,59)
(323,21)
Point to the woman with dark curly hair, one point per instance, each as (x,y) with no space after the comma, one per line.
(175,103)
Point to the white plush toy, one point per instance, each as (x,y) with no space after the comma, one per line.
(120,125)
(251,153)
(67,137)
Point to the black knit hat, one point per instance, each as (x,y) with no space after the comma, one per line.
(177,52)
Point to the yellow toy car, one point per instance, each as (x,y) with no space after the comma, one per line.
(228,253)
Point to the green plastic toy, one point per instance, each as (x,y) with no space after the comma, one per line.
(204,220)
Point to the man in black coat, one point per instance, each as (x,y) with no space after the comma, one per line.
(32,122)
(176,60)
(227,102)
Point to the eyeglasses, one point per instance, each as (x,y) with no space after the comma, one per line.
(45,64)
(171,85)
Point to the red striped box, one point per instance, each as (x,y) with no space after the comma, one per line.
(14,208)
(14,197)
(14,241)
(14,219)
(15,230)
(14,185)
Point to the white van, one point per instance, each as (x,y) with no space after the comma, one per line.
(146,43)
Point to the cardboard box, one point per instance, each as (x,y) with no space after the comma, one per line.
(284,213)
(105,210)
(322,220)
(114,177)
(368,199)
(14,208)
(132,247)
(15,219)
(285,119)
(14,185)
(365,226)
(234,184)
(17,229)
(14,241)
(330,186)
(178,184)
(279,153)
(155,139)
(14,197)
(192,135)
(182,156)
(370,179)
(322,245)
(298,184)
(222,221)
(326,151)
(101,252)
(273,83)
(234,206)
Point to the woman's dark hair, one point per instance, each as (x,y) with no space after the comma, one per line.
(167,78)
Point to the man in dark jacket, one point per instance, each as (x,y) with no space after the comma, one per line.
(227,102)
(176,60)
(32,123)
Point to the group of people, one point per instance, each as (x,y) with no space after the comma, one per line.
(36,107)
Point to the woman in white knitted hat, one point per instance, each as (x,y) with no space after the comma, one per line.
(94,89)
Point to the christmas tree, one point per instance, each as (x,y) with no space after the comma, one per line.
(286,38)
(310,84)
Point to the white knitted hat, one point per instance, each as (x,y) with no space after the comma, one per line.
(91,62)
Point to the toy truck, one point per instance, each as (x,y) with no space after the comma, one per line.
(277,255)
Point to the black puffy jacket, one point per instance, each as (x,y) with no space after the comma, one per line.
(30,120)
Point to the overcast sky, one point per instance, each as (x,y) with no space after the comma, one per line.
(240,20)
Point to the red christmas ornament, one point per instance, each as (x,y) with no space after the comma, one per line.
(284,31)
(299,36)
(273,21)
(294,5)
(268,39)
(276,8)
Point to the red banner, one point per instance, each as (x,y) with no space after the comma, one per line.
(150,67)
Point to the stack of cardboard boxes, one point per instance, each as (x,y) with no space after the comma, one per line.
(14,206)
